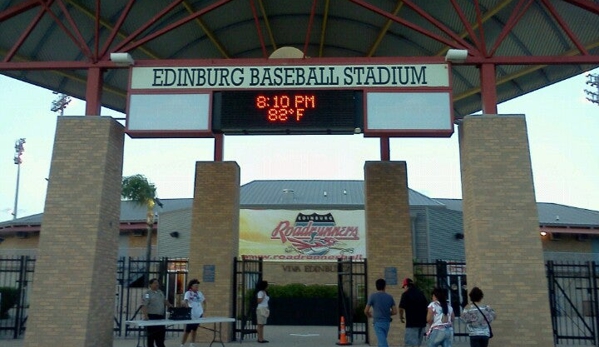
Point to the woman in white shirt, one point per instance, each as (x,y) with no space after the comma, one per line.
(440,317)
(195,300)
(262,311)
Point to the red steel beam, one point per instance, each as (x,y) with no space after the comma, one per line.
(78,40)
(586,5)
(24,36)
(18,9)
(517,13)
(385,148)
(558,18)
(467,25)
(488,89)
(438,24)
(145,26)
(309,28)
(471,60)
(93,92)
(117,28)
(259,30)
(479,23)
(219,145)
(416,28)
(131,46)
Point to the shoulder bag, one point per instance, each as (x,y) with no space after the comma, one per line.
(485,317)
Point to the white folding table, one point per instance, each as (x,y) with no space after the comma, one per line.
(216,326)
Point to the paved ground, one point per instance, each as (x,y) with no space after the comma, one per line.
(279,336)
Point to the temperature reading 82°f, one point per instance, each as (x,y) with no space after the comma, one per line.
(288,112)
(284,107)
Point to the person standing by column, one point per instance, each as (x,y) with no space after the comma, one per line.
(262,311)
(478,326)
(414,304)
(153,308)
(195,300)
(380,307)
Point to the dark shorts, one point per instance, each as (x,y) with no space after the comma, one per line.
(191,327)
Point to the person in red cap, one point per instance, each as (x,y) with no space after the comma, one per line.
(413,304)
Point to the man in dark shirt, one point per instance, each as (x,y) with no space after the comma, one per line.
(414,304)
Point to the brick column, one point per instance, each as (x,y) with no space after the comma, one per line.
(72,299)
(388,232)
(214,239)
(504,254)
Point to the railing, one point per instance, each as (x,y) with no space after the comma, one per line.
(573,289)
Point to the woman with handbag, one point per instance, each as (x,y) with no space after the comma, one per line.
(478,319)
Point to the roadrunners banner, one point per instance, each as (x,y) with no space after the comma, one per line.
(305,235)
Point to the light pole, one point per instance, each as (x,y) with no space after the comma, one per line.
(593,81)
(19,149)
(60,103)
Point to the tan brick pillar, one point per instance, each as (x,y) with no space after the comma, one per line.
(504,255)
(72,299)
(214,239)
(388,233)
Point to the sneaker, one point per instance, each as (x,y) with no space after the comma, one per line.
(263,341)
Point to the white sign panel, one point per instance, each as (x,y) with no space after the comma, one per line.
(183,112)
(409,111)
(299,76)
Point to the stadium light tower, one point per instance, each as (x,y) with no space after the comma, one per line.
(593,81)
(19,149)
(60,103)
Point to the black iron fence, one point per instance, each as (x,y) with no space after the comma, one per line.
(573,289)
(573,299)
(16,276)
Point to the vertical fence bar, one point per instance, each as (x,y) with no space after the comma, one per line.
(21,285)
(594,287)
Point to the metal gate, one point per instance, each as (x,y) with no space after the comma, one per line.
(450,276)
(16,276)
(247,275)
(352,297)
(573,300)
(131,284)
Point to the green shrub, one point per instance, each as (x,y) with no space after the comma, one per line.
(10,297)
(298,290)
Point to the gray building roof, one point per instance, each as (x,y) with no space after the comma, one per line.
(323,194)
(550,214)
(343,194)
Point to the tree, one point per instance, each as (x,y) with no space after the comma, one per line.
(139,190)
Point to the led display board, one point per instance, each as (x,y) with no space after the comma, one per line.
(287,112)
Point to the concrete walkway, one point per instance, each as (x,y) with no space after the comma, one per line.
(279,336)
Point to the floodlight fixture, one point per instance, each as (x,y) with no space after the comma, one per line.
(456,55)
(122,59)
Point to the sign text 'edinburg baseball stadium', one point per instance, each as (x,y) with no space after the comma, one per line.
(333,76)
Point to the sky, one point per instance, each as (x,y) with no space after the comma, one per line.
(563,130)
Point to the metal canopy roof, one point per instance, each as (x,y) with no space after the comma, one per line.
(532,43)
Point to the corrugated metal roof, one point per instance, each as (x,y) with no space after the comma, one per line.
(340,194)
(550,214)
(313,193)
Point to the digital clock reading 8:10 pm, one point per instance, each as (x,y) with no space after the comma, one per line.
(287,112)
(285,107)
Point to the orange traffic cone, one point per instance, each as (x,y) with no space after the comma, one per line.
(342,338)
